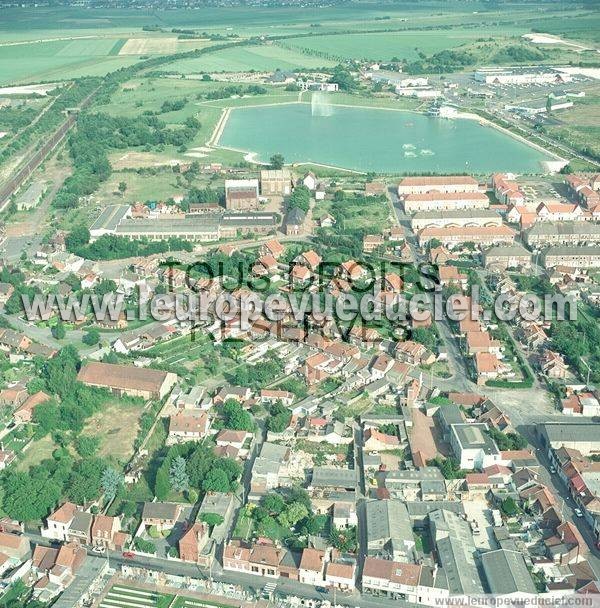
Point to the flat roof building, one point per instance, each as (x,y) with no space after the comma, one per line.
(109,219)
(473,446)
(275,182)
(241,194)
(194,227)
(583,436)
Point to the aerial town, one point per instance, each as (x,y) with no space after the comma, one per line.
(283,324)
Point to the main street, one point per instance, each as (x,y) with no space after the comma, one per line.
(526,408)
(252,583)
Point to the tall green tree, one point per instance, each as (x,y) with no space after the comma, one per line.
(178,477)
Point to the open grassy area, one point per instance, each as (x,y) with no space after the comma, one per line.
(116,426)
(262,58)
(579,126)
(38,450)
(59,59)
(385,46)
(243,526)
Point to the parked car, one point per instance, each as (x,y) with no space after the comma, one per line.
(128,554)
(578,512)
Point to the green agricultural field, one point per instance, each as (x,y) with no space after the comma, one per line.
(385,46)
(59,59)
(260,58)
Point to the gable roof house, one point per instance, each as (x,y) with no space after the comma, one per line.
(24,413)
(188,425)
(389,531)
(128,379)
(59,522)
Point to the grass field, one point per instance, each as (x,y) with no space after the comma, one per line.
(261,58)
(385,46)
(188,602)
(44,21)
(116,426)
(58,59)
(579,126)
(39,450)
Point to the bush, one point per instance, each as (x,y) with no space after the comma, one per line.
(145,546)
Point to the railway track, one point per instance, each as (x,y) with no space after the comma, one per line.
(22,174)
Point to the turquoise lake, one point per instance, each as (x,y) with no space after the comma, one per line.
(386,141)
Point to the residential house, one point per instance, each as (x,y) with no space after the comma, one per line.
(416,583)
(451,276)
(80,529)
(312,567)
(105,532)
(341,573)
(24,413)
(59,522)
(376,441)
(192,543)
(188,425)
(161,515)
(553,365)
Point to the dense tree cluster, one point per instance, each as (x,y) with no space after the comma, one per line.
(279,417)
(440,63)
(194,467)
(300,198)
(97,133)
(78,475)
(236,417)
(343,78)
(257,376)
(579,341)
(112,247)
(234,89)
(66,97)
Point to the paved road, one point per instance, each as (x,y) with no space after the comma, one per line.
(248,581)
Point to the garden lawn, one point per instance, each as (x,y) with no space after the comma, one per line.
(116,426)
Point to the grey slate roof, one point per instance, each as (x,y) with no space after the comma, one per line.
(506,572)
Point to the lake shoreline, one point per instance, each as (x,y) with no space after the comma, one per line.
(551,163)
